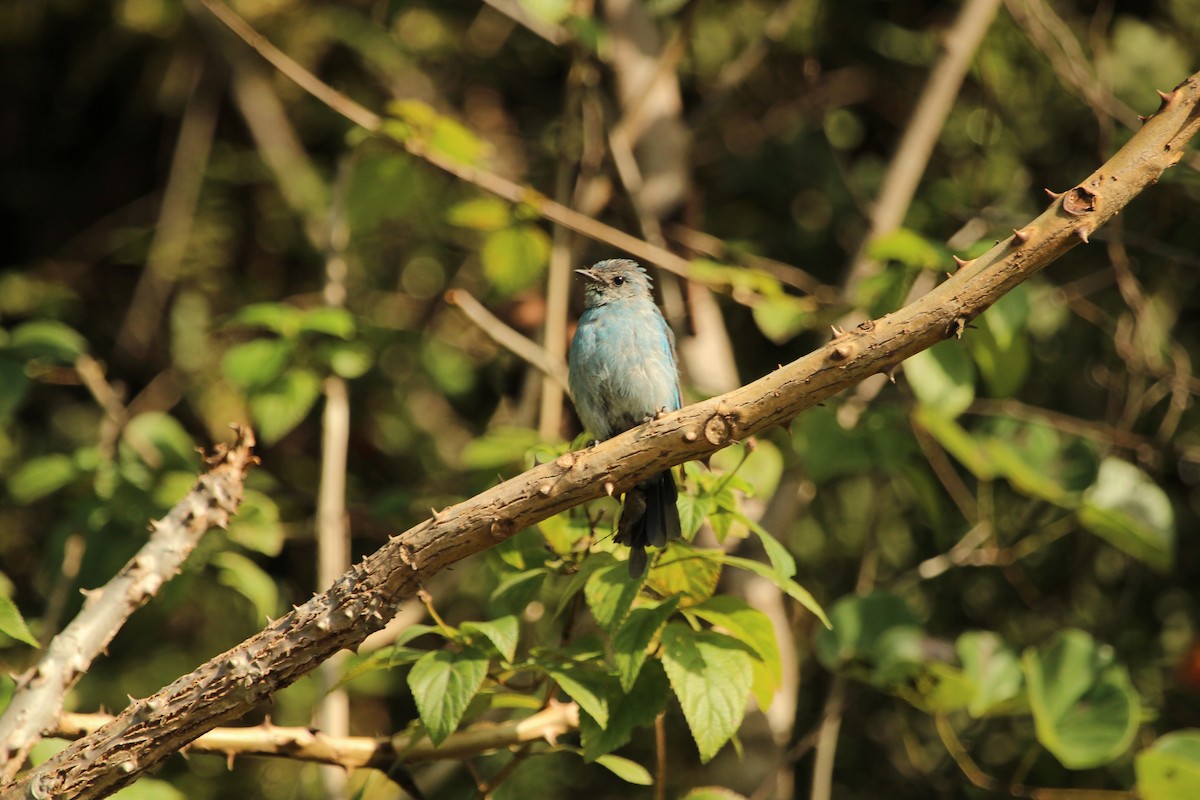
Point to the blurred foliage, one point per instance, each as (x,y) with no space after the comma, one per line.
(1001,542)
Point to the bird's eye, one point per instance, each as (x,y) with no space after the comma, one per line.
(617,281)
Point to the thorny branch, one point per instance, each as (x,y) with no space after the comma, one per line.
(363,599)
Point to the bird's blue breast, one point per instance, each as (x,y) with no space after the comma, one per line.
(622,366)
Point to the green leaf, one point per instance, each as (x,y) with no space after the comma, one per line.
(255,364)
(1170,768)
(610,592)
(781,560)
(586,685)
(908,248)
(1129,510)
(711,674)
(442,684)
(150,789)
(12,624)
(881,442)
(942,378)
(348,360)
(41,476)
(858,626)
(14,385)
(284,404)
(712,793)
(958,443)
(501,446)
(514,258)
(502,632)
(626,770)
(279,318)
(994,669)
(690,573)
(780,317)
(636,709)
(47,339)
(250,581)
(634,636)
(752,628)
(332,321)
(999,346)
(789,586)
(156,432)
(1085,710)
(256,526)
(481,213)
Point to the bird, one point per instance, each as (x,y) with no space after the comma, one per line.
(623,372)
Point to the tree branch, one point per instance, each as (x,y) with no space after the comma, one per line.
(363,599)
(39,693)
(352,752)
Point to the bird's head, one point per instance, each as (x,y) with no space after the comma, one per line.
(614,279)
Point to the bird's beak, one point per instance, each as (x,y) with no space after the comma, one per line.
(587,273)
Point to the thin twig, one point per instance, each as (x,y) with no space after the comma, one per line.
(525,349)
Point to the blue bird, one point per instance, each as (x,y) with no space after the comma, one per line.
(623,373)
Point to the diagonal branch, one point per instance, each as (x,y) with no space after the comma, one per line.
(38,697)
(363,599)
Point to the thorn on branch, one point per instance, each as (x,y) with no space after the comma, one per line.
(1082,233)
(960,262)
(1020,236)
(1053,194)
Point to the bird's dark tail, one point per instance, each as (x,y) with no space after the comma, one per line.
(650,518)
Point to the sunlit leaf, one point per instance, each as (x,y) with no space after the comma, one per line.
(1128,509)
(1169,769)
(279,318)
(12,624)
(858,623)
(515,257)
(442,684)
(328,320)
(754,629)
(782,316)
(481,213)
(687,572)
(942,378)
(501,632)
(610,593)
(626,770)
(586,685)
(250,581)
(711,674)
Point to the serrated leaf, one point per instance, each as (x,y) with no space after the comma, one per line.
(694,509)
(752,628)
(626,770)
(1169,769)
(1085,710)
(442,684)
(41,476)
(502,632)
(633,637)
(587,686)
(514,258)
(12,624)
(1128,509)
(687,572)
(711,674)
(636,709)
(942,378)
(284,404)
(254,364)
(610,593)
